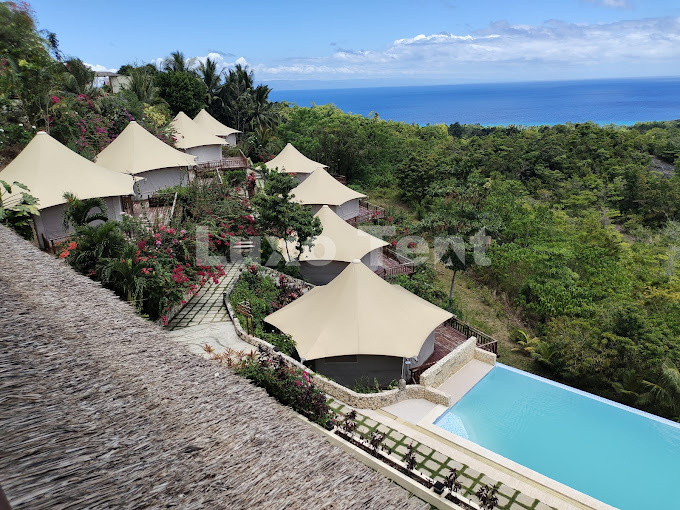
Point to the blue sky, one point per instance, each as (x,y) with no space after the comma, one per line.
(312,44)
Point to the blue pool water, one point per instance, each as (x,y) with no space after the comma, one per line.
(619,455)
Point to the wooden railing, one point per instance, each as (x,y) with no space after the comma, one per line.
(340,178)
(367,212)
(404,265)
(484,341)
(224,163)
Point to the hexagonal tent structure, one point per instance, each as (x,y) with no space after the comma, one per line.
(360,327)
(195,140)
(137,152)
(321,188)
(337,246)
(50,169)
(292,161)
(213,126)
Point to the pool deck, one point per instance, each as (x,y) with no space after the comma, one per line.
(521,488)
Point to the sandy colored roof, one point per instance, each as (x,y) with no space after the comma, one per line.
(101,410)
(358,313)
(292,160)
(213,126)
(338,241)
(322,188)
(189,134)
(136,150)
(49,169)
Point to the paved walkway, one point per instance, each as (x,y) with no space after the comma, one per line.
(206,306)
(204,320)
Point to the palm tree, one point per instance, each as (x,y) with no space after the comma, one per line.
(79,79)
(83,212)
(211,78)
(666,391)
(96,244)
(142,85)
(125,274)
(176,62)
(263,114)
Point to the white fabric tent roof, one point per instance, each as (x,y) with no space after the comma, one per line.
(189,134)
(322,188)
(339,241)
(49,169)
(293,161)
(358,313)
(136,150)
(213,126)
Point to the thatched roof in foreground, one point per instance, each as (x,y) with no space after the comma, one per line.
(99,409)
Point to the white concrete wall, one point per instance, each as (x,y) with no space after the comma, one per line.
(346,211)
(205,153)
(155,180)
(301,177)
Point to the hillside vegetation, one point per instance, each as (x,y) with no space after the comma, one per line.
(584,232)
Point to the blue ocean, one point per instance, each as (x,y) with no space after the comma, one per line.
(617,101)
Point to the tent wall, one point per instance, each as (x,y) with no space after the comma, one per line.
(50,223)
(425,351)
(231,139)
(321,272)
(350,370)
(155,180)
(301,177)
(346,211)
(205,153)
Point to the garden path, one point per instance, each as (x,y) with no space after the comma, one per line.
(204,319)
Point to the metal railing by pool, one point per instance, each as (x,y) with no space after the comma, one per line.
(484,341)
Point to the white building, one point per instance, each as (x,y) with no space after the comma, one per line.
(154,163)
(194,140)
(49,169)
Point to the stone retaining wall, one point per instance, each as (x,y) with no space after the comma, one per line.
(349,397)
(454,361)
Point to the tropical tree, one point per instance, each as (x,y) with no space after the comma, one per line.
(142,85)
(78,78)
(178,63)
(78,213)
(182,90)
(280,217)
(212,79)
(666,390)
(128,275)
(17,214)
(95,245)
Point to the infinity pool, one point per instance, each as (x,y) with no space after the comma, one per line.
(624,457)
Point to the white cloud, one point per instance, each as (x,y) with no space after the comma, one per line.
(503,49)
(616,4)
(99,67)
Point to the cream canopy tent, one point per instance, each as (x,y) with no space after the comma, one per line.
(213,126)
(358,313)
(189,134)
(322,188)
(292,160)
(338,241)
(136,150)
(49,169)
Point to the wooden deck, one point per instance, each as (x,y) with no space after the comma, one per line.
(446,339)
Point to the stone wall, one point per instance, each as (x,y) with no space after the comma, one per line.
(349,397)
(453,361)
